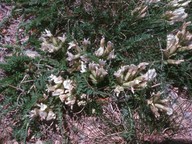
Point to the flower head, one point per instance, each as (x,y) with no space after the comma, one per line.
(63,38)
(178,15)
(105,52)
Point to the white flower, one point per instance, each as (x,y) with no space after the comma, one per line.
(176,16)
(34,113)
(176,62)
(63,97)
(158,104)
(68,84)
(70,101)
(99,52)
(150,75)
(42,106)
(168,110)
(70,57)
(83,67)
(51,115)
(86,42)
(57,80)
(81,103)
(179,14)
(111,55)
(105,52)
(71,45)
(119,74)
(179,3)
(83,96)
(121,71)
(97,70)
(47,33)
(42,115)
(172,42)
(63,38)
(57,92)
(31,54)
(101,72)
(48,47)
(118,90)
(102,63)
(142,65)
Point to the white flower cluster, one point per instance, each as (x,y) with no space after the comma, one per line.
(180,41)
(50,43)
(79,61)
(106,53)
(157,104)
(178,14)
(129,77)
(77,57)
(97,71)
(43,112)
(64,89)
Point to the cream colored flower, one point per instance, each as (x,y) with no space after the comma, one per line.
(179,3)
(157,104)
(68,84)
(83,96)
(86,42)
(47,33)
(70,101)
(70,56)
(48,47)
(63,97)
(150,75)
(105,52)
(81,103)
(83,67)
(58,92)
(118,90)
(71,45)
(172,45)
(129,72)
(97,71)
(42,115)
(130,77)
(178,15)
(34,113)
(57,80)
(99,52)
(63,38)
(50,116)
(175,62)
(42,106)
(119,74)
(181,41)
